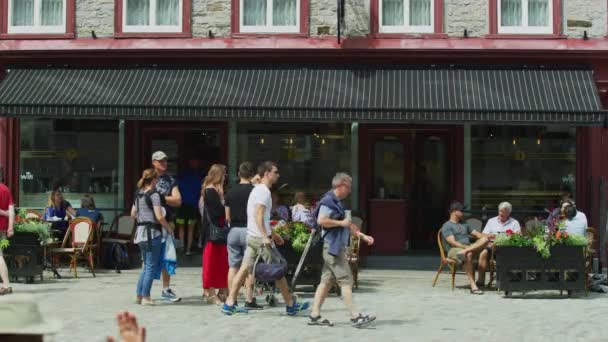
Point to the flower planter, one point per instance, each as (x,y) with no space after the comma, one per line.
(523,269)
(24,256)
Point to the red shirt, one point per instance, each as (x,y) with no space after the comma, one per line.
(6,199)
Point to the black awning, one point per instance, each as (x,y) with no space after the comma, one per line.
(431,94)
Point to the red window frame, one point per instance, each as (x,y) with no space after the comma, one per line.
(236,29)
(557,24)
(70,20)
(186,24)
(437,30)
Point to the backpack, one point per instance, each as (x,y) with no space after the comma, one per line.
(116,257)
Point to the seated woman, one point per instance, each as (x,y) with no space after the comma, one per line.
(300,211)
(57,210)
(574,222)
(87,209)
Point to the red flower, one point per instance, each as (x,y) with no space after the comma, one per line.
(509,231)
(274,222)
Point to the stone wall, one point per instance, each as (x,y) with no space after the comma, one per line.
(471,15)
(585,15)
(211,15)
(95,15)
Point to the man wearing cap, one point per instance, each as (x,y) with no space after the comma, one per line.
(166,186)
(457,242)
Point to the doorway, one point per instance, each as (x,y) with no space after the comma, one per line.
(407,183)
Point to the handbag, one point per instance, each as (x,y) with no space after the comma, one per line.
(269,272)
(217,234)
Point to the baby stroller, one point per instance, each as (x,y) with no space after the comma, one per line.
(266,274)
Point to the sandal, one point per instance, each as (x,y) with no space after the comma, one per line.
(318,321)
(362,320)
(476,292)
(479,284)
(6,290)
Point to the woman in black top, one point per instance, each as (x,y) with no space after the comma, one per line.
(215,255)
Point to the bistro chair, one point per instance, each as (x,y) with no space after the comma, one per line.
(77,244)
(353,252)
(121,230)
(475,223)
(445,261)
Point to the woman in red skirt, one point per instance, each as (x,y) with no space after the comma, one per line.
(215,255)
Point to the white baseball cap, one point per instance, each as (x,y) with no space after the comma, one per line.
(159,155)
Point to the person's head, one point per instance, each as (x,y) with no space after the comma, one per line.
(504,210)
(87,202)
(56,198)
(569,211)
(256,179)
(22,321)
(269,173)
(300,198)
(456,211)
(566,202)
(342,184)
(159,162)
(215,177)
(148,178)
(246,171)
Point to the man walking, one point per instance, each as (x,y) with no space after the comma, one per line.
(166,186)
(336,238)
(7,220)
(259,241)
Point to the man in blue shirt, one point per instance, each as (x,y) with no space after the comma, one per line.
(336,238)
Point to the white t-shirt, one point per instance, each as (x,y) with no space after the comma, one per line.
(578,224)
(494,226)
(259,195)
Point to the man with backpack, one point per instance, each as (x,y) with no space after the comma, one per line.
(166,186)
(336,231)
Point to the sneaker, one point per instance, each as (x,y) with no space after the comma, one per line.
(230,310)
(170,296)
(296,307)
(362,320)
(253,305)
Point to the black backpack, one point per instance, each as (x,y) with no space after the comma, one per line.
(116,257)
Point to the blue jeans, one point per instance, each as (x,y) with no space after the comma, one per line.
(150,256)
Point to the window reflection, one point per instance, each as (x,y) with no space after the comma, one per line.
(389,168)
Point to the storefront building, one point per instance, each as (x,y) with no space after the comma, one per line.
(420,113)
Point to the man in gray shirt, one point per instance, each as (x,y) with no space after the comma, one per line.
(457,242)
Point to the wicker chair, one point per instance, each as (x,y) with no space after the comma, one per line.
(445,261)
(79,236)
(353,253)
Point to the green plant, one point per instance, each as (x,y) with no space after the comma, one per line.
(4,243)
(296,233)
(537,238)
(23,225)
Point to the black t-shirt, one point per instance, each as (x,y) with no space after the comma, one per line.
(236,200)
(164,186)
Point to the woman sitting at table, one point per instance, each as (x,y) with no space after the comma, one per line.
(574,222)
(87,209)
(56,212)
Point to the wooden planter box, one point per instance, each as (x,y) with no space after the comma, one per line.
(523,269)
(24,257)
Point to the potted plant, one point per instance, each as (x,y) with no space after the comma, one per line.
(24,254)
(540,259)
(296,236)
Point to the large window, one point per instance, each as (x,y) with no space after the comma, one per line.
(525,16)
(74,156)
(37,16)
(273,16)
(153,18)
(308,155)
(412,16)
(527,166)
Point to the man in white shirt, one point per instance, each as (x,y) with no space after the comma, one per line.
(496,225)
(259,241)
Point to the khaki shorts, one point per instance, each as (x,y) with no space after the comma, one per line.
(459,258)
(336,268)
(255,248)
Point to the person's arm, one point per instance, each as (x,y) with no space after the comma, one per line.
(133,212)
(327,223)
(70,210)
(476,234)
(516,227)
(452,241)
(175,200)
(355,230)
(227,215)
(11,220)
(259,220)
(158,213)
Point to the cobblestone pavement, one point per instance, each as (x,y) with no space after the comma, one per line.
(408,309)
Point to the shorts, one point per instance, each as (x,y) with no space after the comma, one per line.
(336,268)
(186,214)
(237,244)
(255,249)
(459,258)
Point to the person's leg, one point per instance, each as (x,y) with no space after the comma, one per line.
(150,265)
(482,266)
(320,295)
(468,266)
(284,288)
(180,230)
(249,283)
(231,274)
(477,246)
(347,298)
(4,272)
(238,281)
(140,282)
(191,225)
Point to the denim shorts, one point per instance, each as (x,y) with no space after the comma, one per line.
(237,244)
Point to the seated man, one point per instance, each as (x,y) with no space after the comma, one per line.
(573,221)
(496,225)
(457,237)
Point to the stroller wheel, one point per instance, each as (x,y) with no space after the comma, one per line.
(271,300)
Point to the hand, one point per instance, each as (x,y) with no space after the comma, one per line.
(10,232)
(345,223)
(266,241)
(368,239)
(130,331)
(277,239)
